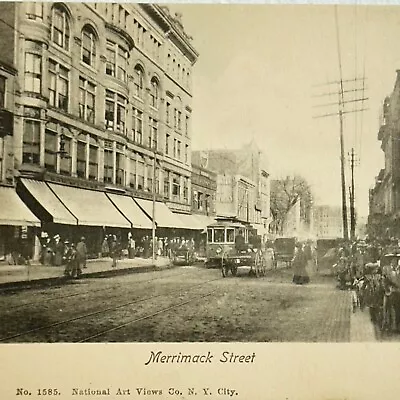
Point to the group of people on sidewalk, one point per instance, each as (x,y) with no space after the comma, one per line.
(371,269)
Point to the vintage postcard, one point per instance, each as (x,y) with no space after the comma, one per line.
(199,201)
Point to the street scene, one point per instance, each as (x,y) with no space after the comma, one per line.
(168,177)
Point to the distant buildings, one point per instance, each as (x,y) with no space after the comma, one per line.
(327,222)
(384,197)
(243,183)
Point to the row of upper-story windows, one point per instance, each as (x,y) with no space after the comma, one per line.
(60,33)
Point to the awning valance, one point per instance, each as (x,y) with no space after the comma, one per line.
(190,221)
(90,207)
(164,217)
(131,211)
(204,220)
(49,201)
(13,210)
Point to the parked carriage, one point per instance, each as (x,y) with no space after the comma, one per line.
(233,244)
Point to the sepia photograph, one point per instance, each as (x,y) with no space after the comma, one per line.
(199,173)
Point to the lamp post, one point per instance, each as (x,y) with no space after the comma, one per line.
(153,213)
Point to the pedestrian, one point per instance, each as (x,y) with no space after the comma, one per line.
(81,253)
(299,263)
(58,251)
(114,251)
(131,246)
(72,268)
(105,248)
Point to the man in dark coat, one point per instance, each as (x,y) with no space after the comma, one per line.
(81,253)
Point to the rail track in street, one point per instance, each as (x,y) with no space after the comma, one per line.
(97,313)
(86,292)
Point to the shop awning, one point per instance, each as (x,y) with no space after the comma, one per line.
(204,220)
(49,201)
(13,210)
(131,211)
(164,217)
(190,221)
(90,207)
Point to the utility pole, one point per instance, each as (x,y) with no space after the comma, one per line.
(352,196)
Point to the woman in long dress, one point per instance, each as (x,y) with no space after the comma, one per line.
(300,275)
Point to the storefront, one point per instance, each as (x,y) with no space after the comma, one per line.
(17,225)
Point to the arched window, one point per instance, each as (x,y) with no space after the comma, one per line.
(139,74)
(60,31)
(88,53)
(154,92)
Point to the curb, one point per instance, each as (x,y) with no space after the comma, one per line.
(62,280)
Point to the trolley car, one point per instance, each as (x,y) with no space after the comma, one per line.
(231,245)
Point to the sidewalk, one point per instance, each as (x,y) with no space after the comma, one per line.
(13,276)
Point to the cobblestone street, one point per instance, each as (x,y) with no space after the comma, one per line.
(185,304)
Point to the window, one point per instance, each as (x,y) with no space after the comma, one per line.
(186,153)
(58,86)
(117,59)
(179,150)
(2,91)
(137,126)
(110,59)
(176,185)
(174,149)
(179,121)
(138,77)
(120,173)
(187,125)
(150,172)
(60,27)
(81,159)
(166,184)
(33,70)
(88,46)
(66,162)
(140,32)
(93,162)
(153,133)
(230,235)
(31,141)
(219,235)
(50,150)
(168,113)
(108,166)
(154,93)
(132,173)
(185,189)
(167,139)
(115,111)
(140,174)
(34,10)
(87,95)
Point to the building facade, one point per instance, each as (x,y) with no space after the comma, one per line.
(102,97)
(243,183)
(327,222)
(384,197)
(204,187)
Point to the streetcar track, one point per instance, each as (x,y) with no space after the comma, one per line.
(69,320)
(17,306)
(102,333)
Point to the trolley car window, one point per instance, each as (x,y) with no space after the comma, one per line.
(219,235)
(230,235)
(209,235)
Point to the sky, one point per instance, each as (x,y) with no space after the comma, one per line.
(262,70)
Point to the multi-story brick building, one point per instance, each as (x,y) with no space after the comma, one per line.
(103,95)
(243,183)
(204,187)
(384,213)
(327,222)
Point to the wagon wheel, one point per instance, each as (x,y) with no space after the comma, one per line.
(263,265)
